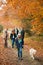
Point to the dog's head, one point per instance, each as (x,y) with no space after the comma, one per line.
(33,51)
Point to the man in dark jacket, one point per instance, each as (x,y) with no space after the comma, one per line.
(12,37)
(16,31)
(22,34)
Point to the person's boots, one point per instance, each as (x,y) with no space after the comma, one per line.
(12,46)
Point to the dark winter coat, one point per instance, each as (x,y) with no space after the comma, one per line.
(11,36)
(18,43)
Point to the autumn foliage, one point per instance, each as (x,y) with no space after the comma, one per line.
(24,9)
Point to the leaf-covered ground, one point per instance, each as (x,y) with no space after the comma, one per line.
(8,56)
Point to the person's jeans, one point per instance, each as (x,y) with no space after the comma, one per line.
(20,52)
(13,40)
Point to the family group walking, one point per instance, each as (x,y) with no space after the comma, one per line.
(16,36)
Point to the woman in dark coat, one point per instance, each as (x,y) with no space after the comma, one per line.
(19,46)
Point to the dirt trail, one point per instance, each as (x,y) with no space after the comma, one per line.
(8,56)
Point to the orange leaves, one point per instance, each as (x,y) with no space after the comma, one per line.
(24,9)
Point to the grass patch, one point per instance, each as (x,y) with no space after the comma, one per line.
(34,42)
(37,38)
(1,33)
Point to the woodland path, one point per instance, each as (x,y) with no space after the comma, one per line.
(8,56)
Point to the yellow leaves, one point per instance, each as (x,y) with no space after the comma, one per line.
(24,9)
(41,11)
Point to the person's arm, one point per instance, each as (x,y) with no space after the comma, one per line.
(10,36)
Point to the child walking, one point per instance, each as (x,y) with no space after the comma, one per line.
(19,46)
